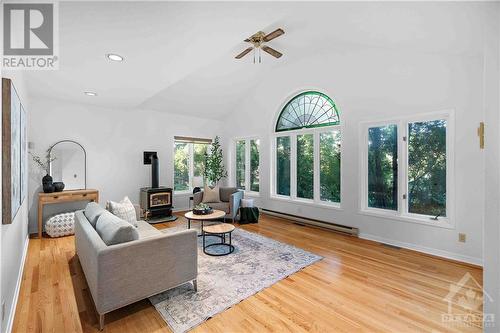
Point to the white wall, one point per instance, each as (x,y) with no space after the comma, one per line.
(14,236)
(491,274)
(373,83)
(115,141)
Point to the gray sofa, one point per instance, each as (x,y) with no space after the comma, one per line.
(230,198)
(121,274)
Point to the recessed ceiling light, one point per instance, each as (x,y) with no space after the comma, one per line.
(114,57)
(90,93)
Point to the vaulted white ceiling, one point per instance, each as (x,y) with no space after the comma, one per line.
(179,56)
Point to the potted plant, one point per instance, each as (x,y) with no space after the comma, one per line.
(214,164)
(43,164)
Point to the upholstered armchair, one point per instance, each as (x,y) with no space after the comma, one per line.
(230,198)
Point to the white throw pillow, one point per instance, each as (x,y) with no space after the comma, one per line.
(124,210)
(211,194)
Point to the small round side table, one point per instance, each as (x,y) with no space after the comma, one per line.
(216,214)
(218,230)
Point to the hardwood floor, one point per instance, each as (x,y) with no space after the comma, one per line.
(359,286)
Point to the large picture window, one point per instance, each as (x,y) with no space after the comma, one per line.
(247,164)
(383,167)
(305,166)
(189,162)
(307,150)
(407,168)
(427,168)
(283,165)
(329,152)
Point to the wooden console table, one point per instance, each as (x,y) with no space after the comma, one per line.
(61,197)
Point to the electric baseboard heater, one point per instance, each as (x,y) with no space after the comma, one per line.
(327,225)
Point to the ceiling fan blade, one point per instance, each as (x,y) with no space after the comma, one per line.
(271,51)
(244,53)
(276,33)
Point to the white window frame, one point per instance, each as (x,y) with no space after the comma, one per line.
(190,166)
(247,164)
(316,201)
(402,213)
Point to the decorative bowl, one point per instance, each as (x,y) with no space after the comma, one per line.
(58,186)
(204,211)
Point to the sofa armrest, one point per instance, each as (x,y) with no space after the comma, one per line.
(197,198)
(138,212)
(88,244)
(135,270)
(234,203)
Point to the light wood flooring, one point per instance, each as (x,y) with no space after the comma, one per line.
(359,286)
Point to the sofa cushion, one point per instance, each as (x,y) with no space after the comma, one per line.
(114,230)
(225,193)
(124,210)
(92,212)
(224,206)
(147,230)
(210,194)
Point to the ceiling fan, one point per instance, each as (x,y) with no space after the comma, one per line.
(257,40)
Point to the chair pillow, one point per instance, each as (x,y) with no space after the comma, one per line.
(211,194)
(92,212)
(113,230)
(124,210)
(225,193)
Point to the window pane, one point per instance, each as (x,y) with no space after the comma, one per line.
(240,164)
(383,167)
(329,170)
(427,168)
(305,166)
(283,165)
(254,165)
(181,166)
(199,153)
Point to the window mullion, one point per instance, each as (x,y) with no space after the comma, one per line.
(403,167)
(293,166)
(247,165)
(316,173)
(191,165)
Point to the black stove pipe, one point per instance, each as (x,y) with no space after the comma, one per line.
(155,171)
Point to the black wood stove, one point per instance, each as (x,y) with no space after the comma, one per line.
(156,201)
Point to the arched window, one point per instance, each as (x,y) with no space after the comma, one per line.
(306,110)
(307,149)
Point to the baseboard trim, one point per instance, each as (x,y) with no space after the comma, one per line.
(424,249)
(13,307)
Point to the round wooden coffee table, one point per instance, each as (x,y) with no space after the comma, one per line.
(216,214)
(218,230)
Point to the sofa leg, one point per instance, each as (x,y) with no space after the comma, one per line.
(195,285)
(101,322)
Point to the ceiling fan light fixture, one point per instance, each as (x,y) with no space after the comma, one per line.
(258,40)
(114,57)
(90,93)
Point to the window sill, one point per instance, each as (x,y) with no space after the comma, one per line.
(183,192)
(252,194)
(380,213)
(306,202)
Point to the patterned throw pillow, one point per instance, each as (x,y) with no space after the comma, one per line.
(124,210)
(211,194)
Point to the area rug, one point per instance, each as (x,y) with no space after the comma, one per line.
(257,263)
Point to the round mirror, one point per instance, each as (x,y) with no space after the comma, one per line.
(69,164)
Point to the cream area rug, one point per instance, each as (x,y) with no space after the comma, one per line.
(256,263)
